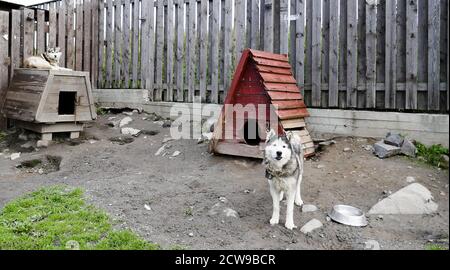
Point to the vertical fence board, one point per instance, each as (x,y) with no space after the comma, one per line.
(192,49)
(117,41)
(352,56)
(203,48)
(95,42)
(170,53)
(62,32)
(342,101)
(362,65)
(325,41)
(126,50)
(87,54)
(309,44)
(40,32)
(215,17)
(228,46)
(381,50)
(239,28)
(15,41)
(292,33)
(401,52)
(4,78)
(254,25)
(159,50)
(284,26)
(52,23)
(433,54)
(371,54)
(411,54)
(300,44)
(391,56)
(180,49)
(79,36)
(316,53)
(268,25)
(27,33)
(109,43)
(135,50)
(333,80)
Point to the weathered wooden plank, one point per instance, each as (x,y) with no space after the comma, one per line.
(381,50)
(401,40)
(300,44)
(40,32)
(316,53)
(362,64)
(292,33)
(79,35)
(109,43)
(352,56)
(62,32)
(4,78)
(203,48)
(159,50)
(342,101)
(445,64)
(135,67)
(284,26)
(215,17)
(268,25)
(333,92)
(248,23)
(52,25)
(117,42)
(179,29)
(101,44)
(308,48)
(228,52)
(27,33)
(239,28)
(433,54)
(15,41)
(422,39)
(192,49)
(254,25)
(87,54)
(371,54)
(391,56)
(170,53)
(325,42)
(411,54)
(126,50)
(95,42)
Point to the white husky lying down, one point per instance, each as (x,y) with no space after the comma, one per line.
(283,158)
(47,60)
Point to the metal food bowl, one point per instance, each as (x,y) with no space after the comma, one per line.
(348,215)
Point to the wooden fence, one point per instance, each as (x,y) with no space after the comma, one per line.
(362,54)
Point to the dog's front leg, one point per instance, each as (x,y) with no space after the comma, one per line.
(290,198)
(276,204)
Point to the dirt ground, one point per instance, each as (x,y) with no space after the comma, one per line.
(169,200)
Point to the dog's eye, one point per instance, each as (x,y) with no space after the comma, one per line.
(284,146)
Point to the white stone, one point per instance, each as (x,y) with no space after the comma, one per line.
(160,150)
(176,154)
(41,171)
(15,156)
(230,213)
(413,199)
(125,121)
(347,149)
(42,143)
(311,226)
(130,131)
(309,208)
(410,179)
(371,245)
(168,139)
(128,113)
(320,166)
(147,207)
(191,234)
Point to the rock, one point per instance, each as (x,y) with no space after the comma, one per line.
(394,139)
(230,213)
(444,161)
(311,226)
(414,199)
(191,234)
(23,137)
(125,121)
(42,143)
(27,145)
(347,149)
(320,166)
(410,179)
(371,245)
(176,154)
(41,171)
(408,148)
(122,140)
(113,124)
(128,113)
(166,124)
(327,143)
(15,156)
(160,150)
(383,150)
(147,207)
(442,193)
(368,148)
(328,218)
(166,140)
(130,131)
(150,132)
(309,208)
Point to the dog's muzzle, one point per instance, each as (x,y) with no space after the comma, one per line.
(279,156)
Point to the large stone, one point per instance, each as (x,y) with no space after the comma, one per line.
(383,150)
(309,208)
(42,143)
(414,199)
(125,121)
(408,148)
(311,226)
(371,245)
(394,139)
(130,131)
(15,156)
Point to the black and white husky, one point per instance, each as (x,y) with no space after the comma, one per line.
(283,158)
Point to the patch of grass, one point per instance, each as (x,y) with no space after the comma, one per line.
(2,136)
(188,212)
(101,111)
(435,247)
(58,218)
(432,155)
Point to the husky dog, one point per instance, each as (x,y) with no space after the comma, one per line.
(283,159)
(47,60)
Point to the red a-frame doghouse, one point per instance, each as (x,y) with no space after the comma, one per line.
(266,81)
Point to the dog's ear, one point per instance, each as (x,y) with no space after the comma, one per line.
(270,135)
(295,141)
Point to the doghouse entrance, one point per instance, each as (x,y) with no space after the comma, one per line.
(67,103)
(251,132)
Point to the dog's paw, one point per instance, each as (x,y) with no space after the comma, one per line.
(290,226)
(298,202)
(274,221)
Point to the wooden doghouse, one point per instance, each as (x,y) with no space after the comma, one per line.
(262,79)
(50,101)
